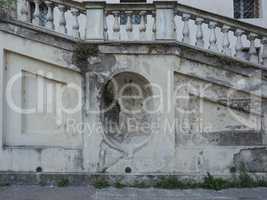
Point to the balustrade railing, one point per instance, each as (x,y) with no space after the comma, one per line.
(125,22)
(46,13)
(232,33)
(160,21)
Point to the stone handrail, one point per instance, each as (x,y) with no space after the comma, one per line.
(226,25)
(221,20)
(30,12)
(128,12)
(161,21)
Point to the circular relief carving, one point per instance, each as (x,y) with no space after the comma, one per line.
(126,106)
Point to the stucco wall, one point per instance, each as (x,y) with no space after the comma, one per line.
(20,151)
(206,140)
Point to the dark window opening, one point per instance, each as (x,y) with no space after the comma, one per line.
(246,9)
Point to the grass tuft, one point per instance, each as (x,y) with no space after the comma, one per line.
(63,182)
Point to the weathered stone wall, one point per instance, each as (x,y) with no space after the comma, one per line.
(32,141)
(211,109)
(153,153)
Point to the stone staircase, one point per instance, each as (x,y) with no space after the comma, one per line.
(160,21)
(165,44)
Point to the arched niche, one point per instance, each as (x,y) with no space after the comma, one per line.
(126,105)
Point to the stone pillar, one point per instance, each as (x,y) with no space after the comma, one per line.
(95,20)
(23,10)
(264,121)
(165,27)
(264,52)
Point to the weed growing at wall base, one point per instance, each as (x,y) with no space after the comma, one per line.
(244,180)
(63,183)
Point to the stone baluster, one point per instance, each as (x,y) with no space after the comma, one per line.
(62,19)
(142,26)
(239,44)
(105,26)
(199,33)
(129,24)
(186,29)
(264,51)
(213,38)
(76,26)
(175,25)
(154,26)
(226,42)
(95,20)
(116,25)
(253,57)
(261,55)
(50,15)
(24,11)
(36,15)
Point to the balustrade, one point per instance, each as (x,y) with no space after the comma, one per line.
(158,21)
(129,24)
(50,15)
(186,30)
(62,19)
(226,42)
(129,21)
(253,56)
(213,38)
(264,51)
(36,14)
(75,28)
(31,11)
(219,37)
(24,11)
(199,35)
(239,45)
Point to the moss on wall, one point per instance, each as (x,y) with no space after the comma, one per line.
(7,8)
(82,52)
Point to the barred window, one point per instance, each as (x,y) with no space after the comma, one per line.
(246,9)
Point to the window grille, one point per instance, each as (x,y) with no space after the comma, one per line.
(246,9)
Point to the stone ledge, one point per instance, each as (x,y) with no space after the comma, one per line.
(37,34)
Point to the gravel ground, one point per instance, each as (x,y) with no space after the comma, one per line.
(88,193)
